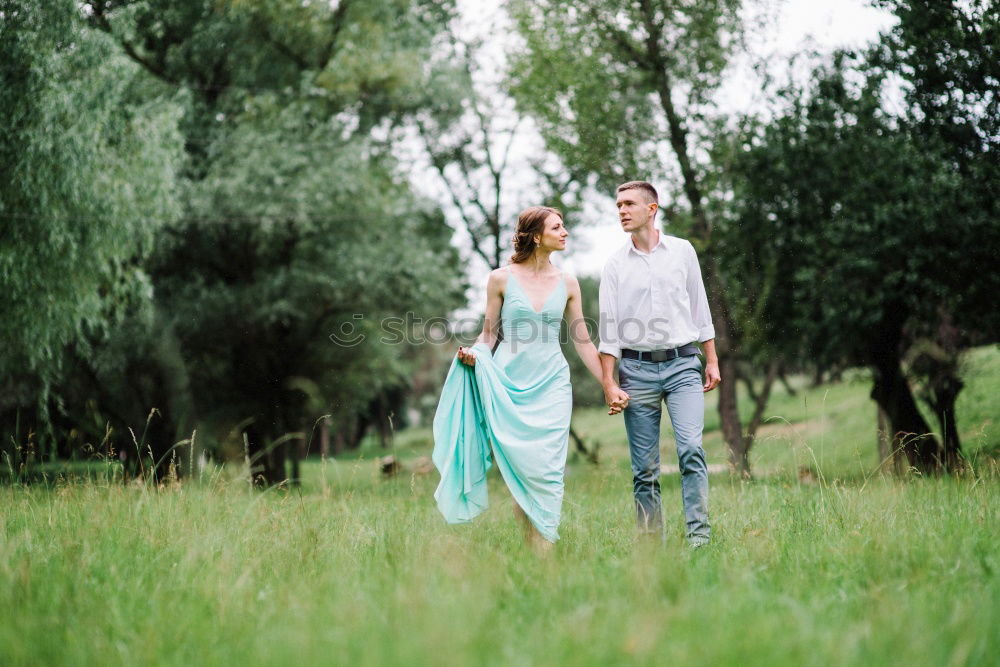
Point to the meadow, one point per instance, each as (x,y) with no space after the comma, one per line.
(843,565)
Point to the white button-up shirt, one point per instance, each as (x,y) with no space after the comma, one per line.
(654,300)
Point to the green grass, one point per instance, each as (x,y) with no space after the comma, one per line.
(363,571)
(858,568)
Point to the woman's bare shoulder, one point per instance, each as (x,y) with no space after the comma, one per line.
(572,284)
(497,279)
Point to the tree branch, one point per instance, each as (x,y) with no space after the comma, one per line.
(760,404)
(264,31)
(619,37)
(100,19)
(439,167)
(678,142)
(337,21)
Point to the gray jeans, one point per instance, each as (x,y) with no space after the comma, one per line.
(647,383)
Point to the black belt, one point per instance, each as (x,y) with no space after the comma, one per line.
(662,355)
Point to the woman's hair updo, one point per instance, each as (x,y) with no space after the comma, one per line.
(530,223)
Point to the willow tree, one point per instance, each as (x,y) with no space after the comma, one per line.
(88,172)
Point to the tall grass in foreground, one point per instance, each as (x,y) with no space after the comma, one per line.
(851,568)
(357,569)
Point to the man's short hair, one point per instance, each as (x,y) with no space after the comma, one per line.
(646,188)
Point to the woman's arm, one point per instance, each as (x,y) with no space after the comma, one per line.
(616,399)
(491,322)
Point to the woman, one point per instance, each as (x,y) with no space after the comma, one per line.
(518,400)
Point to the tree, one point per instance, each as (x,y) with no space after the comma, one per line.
(470,136)
(947,54)
(289,218)
(88,173)
(943,55)
(300,245)
(296,219)
(605,80)
(867,227)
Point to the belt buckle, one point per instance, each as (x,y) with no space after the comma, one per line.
(659,355)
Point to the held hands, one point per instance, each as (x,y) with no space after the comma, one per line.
(616,399)
(712,377)
(466,356)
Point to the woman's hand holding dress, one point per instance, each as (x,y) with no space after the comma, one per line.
(466,356)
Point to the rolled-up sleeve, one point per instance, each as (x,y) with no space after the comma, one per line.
(608,318)
(700,313)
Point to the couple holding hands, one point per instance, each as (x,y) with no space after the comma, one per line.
(512,407)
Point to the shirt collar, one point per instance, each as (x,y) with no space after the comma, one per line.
(661,241)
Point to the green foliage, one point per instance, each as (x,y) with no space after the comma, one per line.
(869,234)
(300,225)
(282,249)
(585,74)
(847,215)
(362,58)
(948,57)
(87,175)
(850,214)
(288,218)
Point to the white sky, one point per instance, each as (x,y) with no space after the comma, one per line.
(783,28)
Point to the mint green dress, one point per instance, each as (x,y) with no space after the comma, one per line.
(519,401)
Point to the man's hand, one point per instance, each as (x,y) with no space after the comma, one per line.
(712,377)
(466,357)
(616,398)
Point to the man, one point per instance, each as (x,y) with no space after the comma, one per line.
(653,309)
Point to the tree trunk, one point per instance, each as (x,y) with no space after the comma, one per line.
(383,420)
(943,387)
(267,457)
(908,430)
(887,456)
(297,455)
(784,381)
(943,396)
(729,417)
(952,453)
(339,442)
(760,403)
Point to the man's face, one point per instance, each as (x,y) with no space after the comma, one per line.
(634,210)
